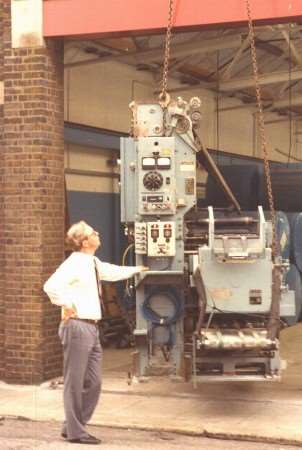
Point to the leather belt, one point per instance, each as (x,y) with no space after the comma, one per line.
(91,321)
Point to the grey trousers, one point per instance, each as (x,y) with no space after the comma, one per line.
(82,374)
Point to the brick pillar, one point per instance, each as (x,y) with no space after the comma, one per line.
(33,205)
(2,355)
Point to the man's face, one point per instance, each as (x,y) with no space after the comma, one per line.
(92,240)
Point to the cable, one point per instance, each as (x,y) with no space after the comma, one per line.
(127,290)
(170,341)
(125,253)
(151,315)
(158,320)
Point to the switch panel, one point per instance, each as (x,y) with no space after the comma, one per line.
(161,239)
(140,231)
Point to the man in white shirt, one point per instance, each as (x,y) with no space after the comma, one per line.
(75,288)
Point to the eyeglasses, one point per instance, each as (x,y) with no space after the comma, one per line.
(93,233)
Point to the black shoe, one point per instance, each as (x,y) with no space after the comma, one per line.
(88,440)
(64,435)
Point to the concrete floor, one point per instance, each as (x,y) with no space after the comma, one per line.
(24,435)
(266,412)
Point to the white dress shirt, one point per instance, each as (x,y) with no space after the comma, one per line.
(74,283)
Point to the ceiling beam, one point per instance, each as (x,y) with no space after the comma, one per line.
(178,50)
(284,119)
(287,86)
(287,103)
(268,47)
(193,87)
(251,106)
(179,63)
(295,55)
(244,83)
(227,72)
(264,79)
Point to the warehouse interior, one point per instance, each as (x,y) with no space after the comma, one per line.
(174,130)
(102,77)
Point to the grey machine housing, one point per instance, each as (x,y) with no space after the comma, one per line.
(158,189)
(157,215)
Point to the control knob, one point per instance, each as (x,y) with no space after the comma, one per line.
(153,180)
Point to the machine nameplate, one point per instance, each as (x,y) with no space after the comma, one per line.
(187,166)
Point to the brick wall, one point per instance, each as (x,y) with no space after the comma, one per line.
(33,205)
(2,355)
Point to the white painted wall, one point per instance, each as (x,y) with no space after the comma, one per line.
(234,128)
(99,95)
(278,136)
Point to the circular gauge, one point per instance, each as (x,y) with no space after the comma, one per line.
(153,180)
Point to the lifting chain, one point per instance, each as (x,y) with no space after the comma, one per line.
(164,96)
(262,129)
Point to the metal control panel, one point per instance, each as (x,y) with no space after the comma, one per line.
(158,178)
(155,239)
(156,181)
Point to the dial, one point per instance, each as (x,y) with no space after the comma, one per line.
(153,180)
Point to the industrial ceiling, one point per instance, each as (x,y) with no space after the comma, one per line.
(218,60)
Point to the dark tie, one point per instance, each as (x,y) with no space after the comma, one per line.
(99,286)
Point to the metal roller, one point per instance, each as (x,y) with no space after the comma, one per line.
(244,183)
(286,185)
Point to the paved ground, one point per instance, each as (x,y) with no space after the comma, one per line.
(24,435)
(264,412)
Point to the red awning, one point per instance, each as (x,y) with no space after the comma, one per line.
(109,17)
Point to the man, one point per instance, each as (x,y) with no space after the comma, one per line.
(75,288)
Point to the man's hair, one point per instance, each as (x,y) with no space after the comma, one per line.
(76,234)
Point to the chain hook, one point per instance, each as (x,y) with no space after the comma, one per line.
(262,128)
(164,97)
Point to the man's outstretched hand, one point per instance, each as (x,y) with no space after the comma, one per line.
(143,268)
